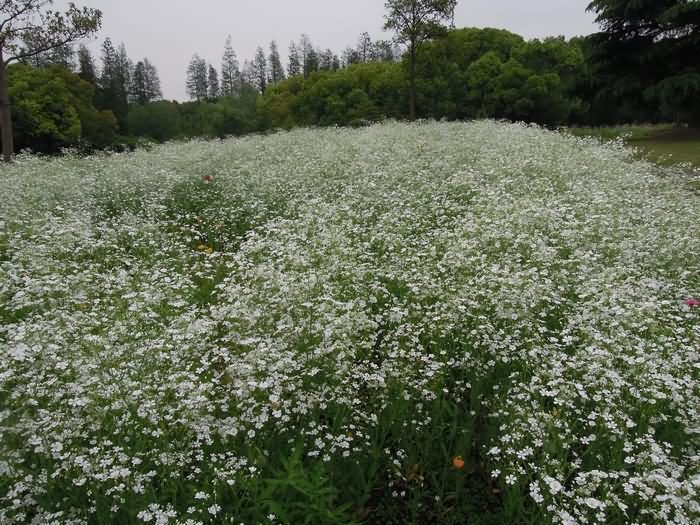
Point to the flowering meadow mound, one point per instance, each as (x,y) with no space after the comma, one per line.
(425,324)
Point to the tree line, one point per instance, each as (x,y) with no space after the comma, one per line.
(60,98)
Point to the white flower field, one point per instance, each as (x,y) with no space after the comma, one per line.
(437,323)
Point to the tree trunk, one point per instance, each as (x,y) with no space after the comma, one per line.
(8,145)
(412,87)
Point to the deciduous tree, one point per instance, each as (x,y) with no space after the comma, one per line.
(29,20)
(414,21)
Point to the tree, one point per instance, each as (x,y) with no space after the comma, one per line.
(197,82)
(415,21)
(86,65)
(158,121)
(53,108)
(651,46)
(230,73)
(22,20)
(214,91)
(145,84)
(60,56)
(383,51)
(106,81)
(114,82)
(326,60)
(259,70)
(364,47)
(275,64)
(153,91)
(350,56)
(294,65)
(309,56)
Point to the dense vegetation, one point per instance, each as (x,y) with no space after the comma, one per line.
(428,324)
(459,74)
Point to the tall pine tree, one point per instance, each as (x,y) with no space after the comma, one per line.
(197,81)
(275,64)
(230,73)
(294,63)
(259,67)
(86,65)
(113,83)
(145,84)
(213,83)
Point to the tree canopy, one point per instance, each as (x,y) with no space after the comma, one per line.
(414,21)
(29,21)
(651,47)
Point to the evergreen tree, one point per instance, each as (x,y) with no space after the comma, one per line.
(213,81)
(152,81)
(364,48)
(113,83)
(124,71)
(326,60)
(86,65)
(383,51)
(107,75)
(275,64)
(309,56)
(651,47)
(312,62)
(259,68)
(145,84)
(137,90)
(350,57)
(197,82)
(230,74)
(248,77)
(294,65)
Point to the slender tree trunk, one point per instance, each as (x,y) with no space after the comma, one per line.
(8,145)
(412,87)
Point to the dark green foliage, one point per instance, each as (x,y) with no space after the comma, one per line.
(361,92)
(159,121)
(643,67)
(53,108)
(647,55)
(165,120)
(112,92)
(413,22)
(145,84)
(476,73)
(86,65)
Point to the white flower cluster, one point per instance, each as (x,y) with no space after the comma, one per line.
(161,336)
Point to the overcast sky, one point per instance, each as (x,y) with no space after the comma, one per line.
(169,32)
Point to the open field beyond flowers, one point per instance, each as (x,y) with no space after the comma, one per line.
(405,324)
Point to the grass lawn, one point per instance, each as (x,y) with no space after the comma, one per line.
(663,144)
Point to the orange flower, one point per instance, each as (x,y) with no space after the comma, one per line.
(458,462)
